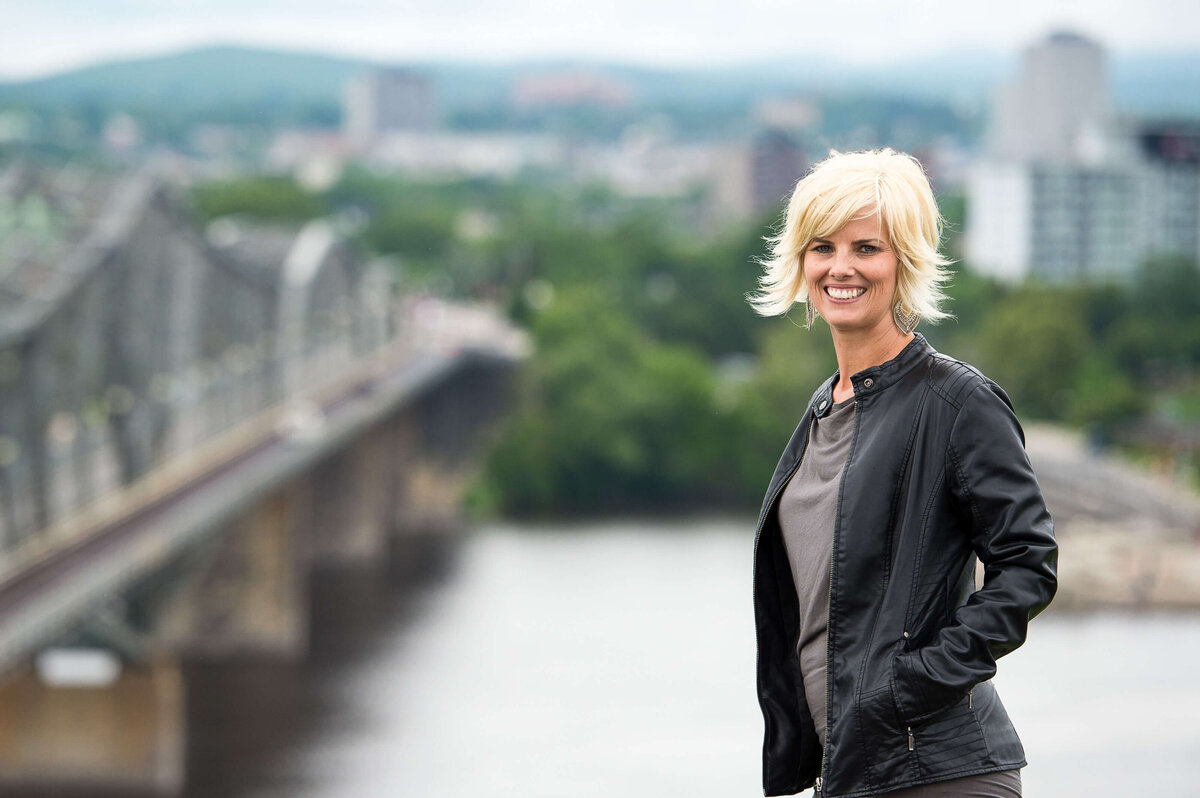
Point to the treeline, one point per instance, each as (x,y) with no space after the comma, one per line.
(654,385)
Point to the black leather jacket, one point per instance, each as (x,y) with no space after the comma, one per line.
(937,475)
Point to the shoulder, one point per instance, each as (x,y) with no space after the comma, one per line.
(978,411)
(957,382)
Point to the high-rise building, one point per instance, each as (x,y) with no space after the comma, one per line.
(1057,109)
(776,163)
(759,175)
(1055,221)
(1063,192)
(1168,218)
(387,101)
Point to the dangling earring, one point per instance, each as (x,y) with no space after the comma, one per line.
(810,314)
(906,320)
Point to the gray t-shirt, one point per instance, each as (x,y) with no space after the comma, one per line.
(806,517)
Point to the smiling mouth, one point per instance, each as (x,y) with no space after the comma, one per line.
(844,293)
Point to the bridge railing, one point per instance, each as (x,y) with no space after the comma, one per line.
(85,456)
(87,453)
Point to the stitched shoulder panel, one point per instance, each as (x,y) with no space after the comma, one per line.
(953,379)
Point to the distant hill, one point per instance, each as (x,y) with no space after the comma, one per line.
(193,78)
(197,79)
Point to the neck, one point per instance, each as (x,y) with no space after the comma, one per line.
(856,352)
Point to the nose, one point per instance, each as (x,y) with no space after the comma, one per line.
(842,266)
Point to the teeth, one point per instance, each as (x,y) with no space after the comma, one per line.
(844,293)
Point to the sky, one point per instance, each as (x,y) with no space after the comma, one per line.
(47,36)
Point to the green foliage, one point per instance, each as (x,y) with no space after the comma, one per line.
(1032,343)
(792,362)
(259,197)
(971,299)
(1168,286)
(1103,396)
(655,386)
(613,421)
(1166,298)
(1086,354)
(420,233)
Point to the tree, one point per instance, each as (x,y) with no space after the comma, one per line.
(1032,344)
(259,197)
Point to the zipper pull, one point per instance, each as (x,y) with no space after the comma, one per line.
(910,738)
(971,698)
(818,785)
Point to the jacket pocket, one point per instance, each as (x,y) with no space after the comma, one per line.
(882,738)
(951,740)
(918,697)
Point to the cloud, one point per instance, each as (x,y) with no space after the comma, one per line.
(56,34)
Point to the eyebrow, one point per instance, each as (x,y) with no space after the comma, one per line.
(859,241)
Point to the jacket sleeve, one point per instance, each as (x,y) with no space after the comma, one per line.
(990,479)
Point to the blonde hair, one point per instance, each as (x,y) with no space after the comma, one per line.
(832,194)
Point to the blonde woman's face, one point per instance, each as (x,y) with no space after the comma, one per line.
(851,276)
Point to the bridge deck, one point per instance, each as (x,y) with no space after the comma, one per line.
(87,560)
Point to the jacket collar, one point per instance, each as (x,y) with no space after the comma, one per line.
(876,378)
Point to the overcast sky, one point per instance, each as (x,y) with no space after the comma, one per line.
(43,36)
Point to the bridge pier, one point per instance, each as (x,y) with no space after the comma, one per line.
(210,559)
(350,501)
(442,435)
(425,494)
(126,733)
(252,597)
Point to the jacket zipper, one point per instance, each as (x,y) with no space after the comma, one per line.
(758,535)
(829,599)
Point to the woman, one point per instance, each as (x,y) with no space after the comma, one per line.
(875,652)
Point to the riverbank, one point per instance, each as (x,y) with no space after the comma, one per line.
(1117,568)
(1128,539)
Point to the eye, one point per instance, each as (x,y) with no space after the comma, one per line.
(868,249)
(822,248)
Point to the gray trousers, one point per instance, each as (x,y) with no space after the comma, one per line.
(1002,784)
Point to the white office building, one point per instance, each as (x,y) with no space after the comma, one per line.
(1064,192)
(1057,108)
(385,101)
(1168,210)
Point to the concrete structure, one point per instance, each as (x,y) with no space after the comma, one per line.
(1129,538)
(126,734)
(1060,222)
(759,176)
(264,408)
(387,101)
(1058,106)
(126,334)
(1168,219)
(1065,192)
(776,163)
(210,559)
(568,88)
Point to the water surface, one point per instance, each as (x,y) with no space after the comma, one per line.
(617,659)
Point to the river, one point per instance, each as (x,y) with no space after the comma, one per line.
(617,659)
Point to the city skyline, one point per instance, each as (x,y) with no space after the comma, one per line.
(60,35)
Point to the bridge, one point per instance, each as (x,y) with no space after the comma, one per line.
(191,420)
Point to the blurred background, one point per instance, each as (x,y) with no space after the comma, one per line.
(381,411)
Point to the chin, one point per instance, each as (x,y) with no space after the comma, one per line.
(853,323)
